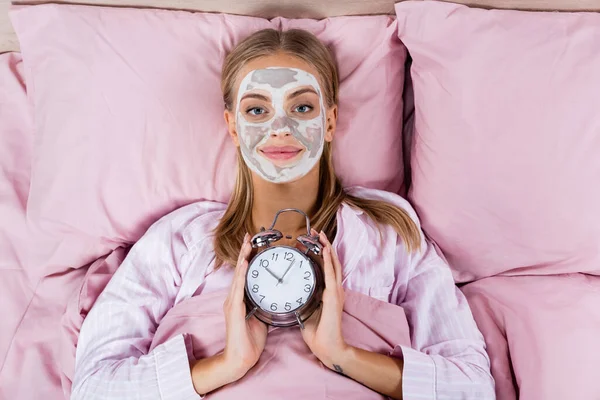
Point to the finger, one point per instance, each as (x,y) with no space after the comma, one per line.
(328,269)
(323,238)
(245,249)
(337,266)
(244,253)
(337,273)
(239,275)
(238,292)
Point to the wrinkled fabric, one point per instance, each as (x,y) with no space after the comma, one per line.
(367,323)
(174,261)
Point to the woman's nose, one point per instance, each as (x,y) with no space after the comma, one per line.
(280,127)
(282,133)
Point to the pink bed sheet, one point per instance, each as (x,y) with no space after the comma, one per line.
(542,333)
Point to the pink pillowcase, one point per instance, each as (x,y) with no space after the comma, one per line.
(541,334)
(506,155)
(129,114)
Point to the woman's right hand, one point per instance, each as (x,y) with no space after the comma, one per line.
(246,339)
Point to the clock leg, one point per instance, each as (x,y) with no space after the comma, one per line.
(251,313)
(299,320)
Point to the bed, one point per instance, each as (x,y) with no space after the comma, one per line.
(535,299)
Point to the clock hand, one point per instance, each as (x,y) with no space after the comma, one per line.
(274,276)
(286,271)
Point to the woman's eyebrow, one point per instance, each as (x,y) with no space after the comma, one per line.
(302,91)
(255,96)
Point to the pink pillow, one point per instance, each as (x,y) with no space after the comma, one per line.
(506,152)
(15,161)
(26,253)
(541,334)
(129,113)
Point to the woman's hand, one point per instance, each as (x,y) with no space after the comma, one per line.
(323,330)
(246,339)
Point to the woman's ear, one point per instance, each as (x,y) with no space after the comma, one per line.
(330,123)
(231,127)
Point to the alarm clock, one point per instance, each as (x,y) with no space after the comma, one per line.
(284,284)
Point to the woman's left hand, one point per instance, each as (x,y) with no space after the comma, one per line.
(323,330)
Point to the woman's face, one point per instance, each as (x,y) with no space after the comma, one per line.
(280,120)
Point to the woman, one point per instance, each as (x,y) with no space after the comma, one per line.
(280,91)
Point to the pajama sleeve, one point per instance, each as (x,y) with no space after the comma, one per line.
(113,360)
(447,357)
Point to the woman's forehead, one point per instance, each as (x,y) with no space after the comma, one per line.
(274,77)
(277,78)
(288,95)
(281,80)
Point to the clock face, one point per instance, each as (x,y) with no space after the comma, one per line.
(280,279)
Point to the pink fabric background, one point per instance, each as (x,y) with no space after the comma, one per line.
(504,176)
(499,193)
(31,305)
(129,115)
(16,138)
(505,157)
(366,324)
(36,255)
(542,334)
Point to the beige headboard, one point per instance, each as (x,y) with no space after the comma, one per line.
(288,8)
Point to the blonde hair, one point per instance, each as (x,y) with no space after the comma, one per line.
(237,219)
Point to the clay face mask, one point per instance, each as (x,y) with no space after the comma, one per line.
(280,119)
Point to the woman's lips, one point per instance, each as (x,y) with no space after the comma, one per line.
(280,153)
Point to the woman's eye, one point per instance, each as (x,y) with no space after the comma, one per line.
(303,108)
(256,111)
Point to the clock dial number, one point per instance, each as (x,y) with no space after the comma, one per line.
(289,290)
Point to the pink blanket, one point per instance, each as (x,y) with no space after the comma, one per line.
(287,365)
(368,323)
